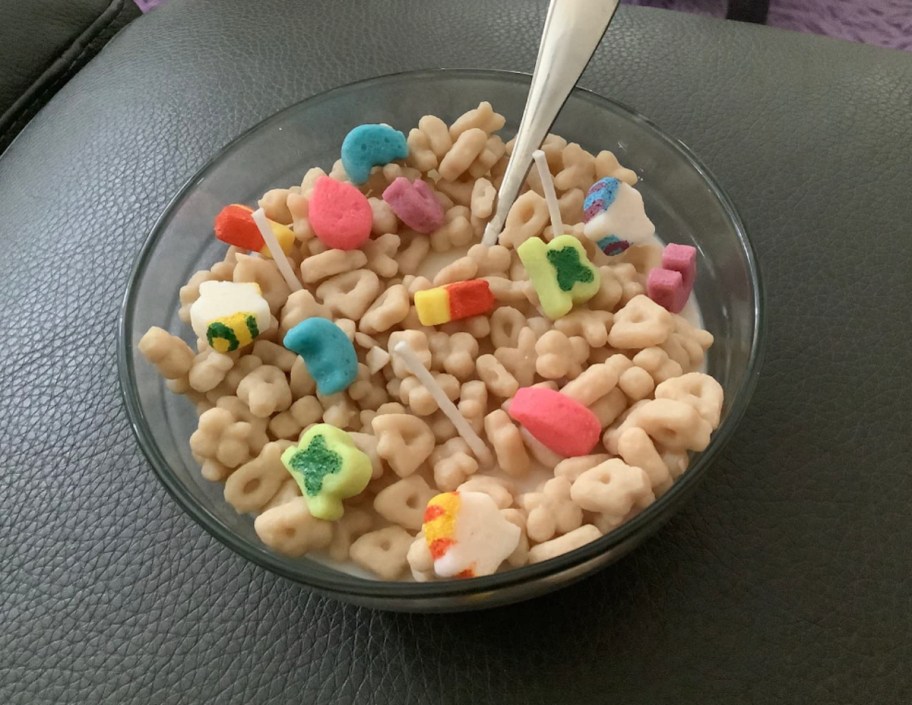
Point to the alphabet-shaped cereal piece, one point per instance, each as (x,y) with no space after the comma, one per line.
(636,383)
(687,344)
(328,468)
(527,219)
(539,452)
(570,541)
(494,260)
(453,464)
(570,205)
(496,377)
(606,164)
(551,511)
(578,169)
(637,449)
(520,361)
(457,231)
(642,323)
(270,353)
(561,273)
(418,342)
(658,364)
(301,382)
(465,150)
(520,555)
(404,501)
(254,483)
(454,354)
(571,468)
(265,391)
(613,489)
(389,309)
(493,150)
(483,117)
(300,306)
(221,437)
(699,390)
(371,145)
(355,523)
(329,263)
(412,253)
(610,291)
(473,403)
(506,323)
(208,370)
(593,384)
(288,491)
(350,294)
(462,269)
(593,326)
(429,142)
(404,441)
(339,410)
(508,445)
(275,204)
(171,356)
(507,291)
(291,529)
(257,438)
(266,275)
(383,551)
(559,356)
(500,490)
(301,414)
(467,535)
(482,203)
(381,255)
(327,351)
(420,560)
(675,425)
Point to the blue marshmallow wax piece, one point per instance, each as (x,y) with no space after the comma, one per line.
(328,353)
(371,145)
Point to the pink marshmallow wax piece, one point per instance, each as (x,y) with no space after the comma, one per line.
(339,214)
(559,422)
(683,259)
(415,204)
(666,288)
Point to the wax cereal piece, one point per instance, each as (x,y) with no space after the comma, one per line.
(328,353)
(415,204)
(328,468)
(667,289)
(613,207)
(404,501)
(641,323)
(229,315)
(252,485)
(613,489)
(383,551)
(339,214)
(612,245)
(403,441)
(265,391)
(467,535)
(561,423)
(171,356)
(570,541)
(291,529)
(551,511)
(507,442)
(636,448)
(234,224)
(453,464)
(682,259)
(699,390)
(561,273)
(371,145)
(453,302)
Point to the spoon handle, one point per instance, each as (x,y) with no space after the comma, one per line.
(573,30)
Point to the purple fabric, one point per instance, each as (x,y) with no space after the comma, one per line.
(886,23)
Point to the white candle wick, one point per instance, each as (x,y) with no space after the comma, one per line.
(541,162)
(463,428)
(278,256)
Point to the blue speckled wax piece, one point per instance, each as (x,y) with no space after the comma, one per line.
(612,245)
(371,145)
(328,353)
(599,197)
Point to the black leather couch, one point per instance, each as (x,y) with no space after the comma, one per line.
(784,580)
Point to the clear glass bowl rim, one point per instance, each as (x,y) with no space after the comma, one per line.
(348,585)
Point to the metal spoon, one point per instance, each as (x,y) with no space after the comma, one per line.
(573,30)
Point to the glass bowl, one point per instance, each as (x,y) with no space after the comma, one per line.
(682,198)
